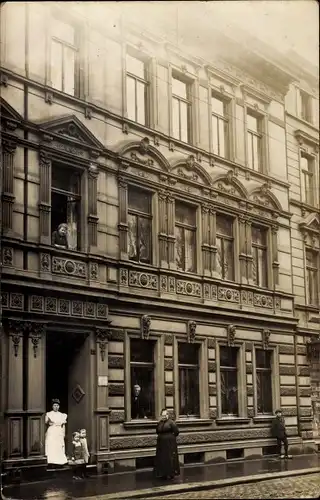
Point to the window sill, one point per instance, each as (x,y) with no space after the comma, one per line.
(232,420)
(193,421)
(263,418)
(140,423)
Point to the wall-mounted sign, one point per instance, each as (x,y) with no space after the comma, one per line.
(103,381)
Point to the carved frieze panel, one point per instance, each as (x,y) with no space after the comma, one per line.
(69,267)
(246,298)
(7,256)
(228,295)
(67,307)
(143,280)
(260,300)
(188,288)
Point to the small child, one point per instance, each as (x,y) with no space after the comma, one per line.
(78,462)
(85,451)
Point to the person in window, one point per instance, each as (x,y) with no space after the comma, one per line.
(139,404)
(167,460)
(233,401)
(278,430)
(60,237)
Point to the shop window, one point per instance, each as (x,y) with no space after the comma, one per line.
(220,126)
(139,225)
(66,206)
(142,378)
(254,142)
(264,380)
(188,366)
(225,242)
(307,178)
(64,55)
(229,380)
(185,232)
(259,257)
(137,90)
(312,277)
(181,110)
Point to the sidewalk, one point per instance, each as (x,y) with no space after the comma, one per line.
(142,484)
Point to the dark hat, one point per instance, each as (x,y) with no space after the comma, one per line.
(55,401)
(278,411)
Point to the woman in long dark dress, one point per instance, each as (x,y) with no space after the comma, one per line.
(167,460)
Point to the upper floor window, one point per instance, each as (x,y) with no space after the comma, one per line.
(259,256)
(219,121)
(307,178)
(64,52)
(181,110)
(65,207)
(304,106)
(188,364)
(139,225)
(229,380)
(185,232)
(312,277)
(264,381)
(225,259)
(254,142)
(137,90)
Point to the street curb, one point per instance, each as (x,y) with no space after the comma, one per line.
(173,489)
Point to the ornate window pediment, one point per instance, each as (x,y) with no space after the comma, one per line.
(143,153)
(264,197)
(229,184)
(10,118)
(189,170)
(306,139)
(71,129)
(310,228)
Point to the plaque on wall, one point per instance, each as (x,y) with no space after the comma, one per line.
(103,381)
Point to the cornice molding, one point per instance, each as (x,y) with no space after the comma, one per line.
(305,138)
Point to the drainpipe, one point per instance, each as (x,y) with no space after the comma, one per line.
(1,329)
(297,381)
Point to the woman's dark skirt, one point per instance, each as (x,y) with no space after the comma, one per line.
(167,460)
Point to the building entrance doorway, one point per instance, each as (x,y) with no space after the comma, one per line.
(68,378)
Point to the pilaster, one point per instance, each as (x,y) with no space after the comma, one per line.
(171,227)
(123,219)
(45,198)
(7,195)
(163,230)
(92,207)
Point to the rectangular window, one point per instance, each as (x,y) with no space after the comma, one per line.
(264,381)
(254,142)
(229,380)
(188,365)
(185,233)
(142,378)
(219,120)
(181,110)
(305,106)
(308,178)
(312,277)
(137,90)
(139,225)
(259,257)
(66,203)
(64,54)
(225,259)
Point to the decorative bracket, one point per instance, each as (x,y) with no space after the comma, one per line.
(145,326)
(231,334)
(103,336)
(191,331)
(265,338)
(16,329)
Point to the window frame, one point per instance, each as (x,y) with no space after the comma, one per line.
(260,137)
(138,215)
(194,229)
(188,101)
(226,120)
(147,87)
(305,110)
(314,269)
(193,367)
(263,370)
(307,193)
(228,238)
(266,259)
(275,381)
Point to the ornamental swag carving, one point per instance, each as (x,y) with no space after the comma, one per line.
(145,326)
(231,334)
(191,331)
(265,338)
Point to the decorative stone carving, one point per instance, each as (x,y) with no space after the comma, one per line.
(260,300)
(145,326)
(94,270)
(192,177)
(88,112)
(156,140)
(188,288)
(231,334)
(16,329)
(124,277)
(144,145)
(125,128)
(143,161)
(69,267)
(265,338)
(191,331)
(4,79)
(102,337)
(16,301)
(36,332)
(143,280)
(7,256)
(48,97)
(228,294)
(190,161)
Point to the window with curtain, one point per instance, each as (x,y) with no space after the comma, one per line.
(185,233)
(229,380)
(254,142)
(64,57)
(137,90)
(139,225)
(312,277)
(181,110)
(188,366)
(307,178)
(225,245)
(259,256)
(220,122)
(264,380)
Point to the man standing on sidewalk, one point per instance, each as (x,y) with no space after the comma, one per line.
(278,431)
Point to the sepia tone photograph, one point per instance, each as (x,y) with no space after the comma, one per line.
(159,250)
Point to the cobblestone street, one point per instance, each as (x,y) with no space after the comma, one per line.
(305,486)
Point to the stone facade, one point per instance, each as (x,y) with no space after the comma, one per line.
(94,297)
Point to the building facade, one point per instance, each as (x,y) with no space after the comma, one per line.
(180,275)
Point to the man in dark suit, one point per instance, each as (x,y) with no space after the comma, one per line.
(278,430)
(139,404)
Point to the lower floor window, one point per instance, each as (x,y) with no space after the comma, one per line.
(142,378)
(188,365)
(229,380)
(264,381)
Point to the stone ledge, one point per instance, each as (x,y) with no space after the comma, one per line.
(232,420)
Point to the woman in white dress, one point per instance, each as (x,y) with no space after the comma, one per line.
(54,441)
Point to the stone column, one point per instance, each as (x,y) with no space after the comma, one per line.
(8,150)
(275,263)
(123,219)
(249,251)
(242,249)
(36,392)
(171,235)
(205,247)
(213,240)
(92,207)
(163,230)
(45,199)
(102,411)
